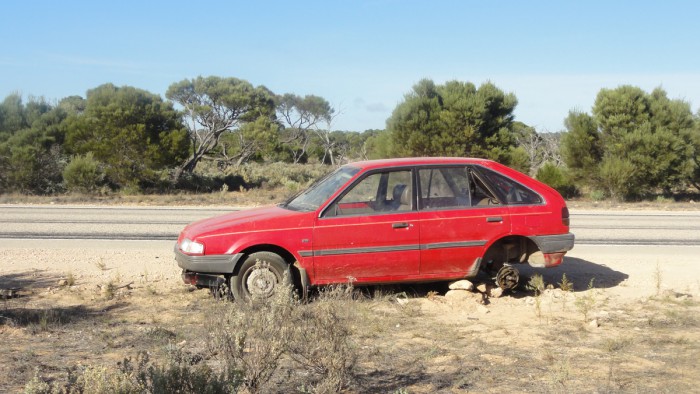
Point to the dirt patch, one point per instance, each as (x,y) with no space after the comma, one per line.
(410,338)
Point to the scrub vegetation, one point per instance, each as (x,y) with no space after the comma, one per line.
(223,135)
(386,339)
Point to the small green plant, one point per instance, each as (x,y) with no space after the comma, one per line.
(101,265)
(536,284)
(586,302)
(565,284)
(67,281)
(44,321)
(109,290)
(151,290)
(224,191)
(560,374)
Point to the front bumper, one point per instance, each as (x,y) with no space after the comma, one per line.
(213,264)
(203,280)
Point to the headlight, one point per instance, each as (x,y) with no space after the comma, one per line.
(191,247)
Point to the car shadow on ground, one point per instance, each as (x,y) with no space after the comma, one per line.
(578,271)
(18,309)
(20,284)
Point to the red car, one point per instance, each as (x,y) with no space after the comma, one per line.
(384,221)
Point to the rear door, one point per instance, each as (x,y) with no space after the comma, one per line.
(459,217)
(370,233)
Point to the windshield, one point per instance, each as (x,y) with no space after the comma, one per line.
(312,198)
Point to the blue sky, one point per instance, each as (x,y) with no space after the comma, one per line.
(362,56)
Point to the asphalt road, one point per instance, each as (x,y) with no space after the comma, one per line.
(596,227)
(164,223)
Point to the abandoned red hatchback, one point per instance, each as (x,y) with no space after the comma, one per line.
(384,221)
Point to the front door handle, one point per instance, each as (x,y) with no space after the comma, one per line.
(399,225)
(494,219)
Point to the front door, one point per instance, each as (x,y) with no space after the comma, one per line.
(371,233)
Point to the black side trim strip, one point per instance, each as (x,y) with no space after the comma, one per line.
(444,245)
(383,249)
(378,249)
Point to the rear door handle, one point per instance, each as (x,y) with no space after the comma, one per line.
(399,225)
(494,219)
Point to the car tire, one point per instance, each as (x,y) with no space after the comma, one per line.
(261,274)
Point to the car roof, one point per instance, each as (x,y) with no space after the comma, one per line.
(411,161)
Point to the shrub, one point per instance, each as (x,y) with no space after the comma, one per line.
(251,336)
(557,178)
(83,174)
(617,178)
(321,341)
(249,340)
(180,374)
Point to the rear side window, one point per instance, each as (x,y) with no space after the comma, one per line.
(513,192)
(442,188)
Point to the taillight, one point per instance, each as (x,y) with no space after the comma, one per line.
(565,216)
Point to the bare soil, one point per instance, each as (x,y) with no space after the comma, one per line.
(635,330)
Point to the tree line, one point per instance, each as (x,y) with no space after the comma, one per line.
(632,145)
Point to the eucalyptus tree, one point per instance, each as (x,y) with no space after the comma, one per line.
(214,106)
(299,117)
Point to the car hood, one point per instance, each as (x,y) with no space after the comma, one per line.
(256,219)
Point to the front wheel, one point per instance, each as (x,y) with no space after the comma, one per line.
(260,276)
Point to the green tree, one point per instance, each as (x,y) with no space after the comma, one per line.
(134,133)
(581,147)
(454,119)
(213,106)
(378,144)
(300,116)
(250,140)
(556,177)
(693,171)
(31,158)
(12,115)
(633,144)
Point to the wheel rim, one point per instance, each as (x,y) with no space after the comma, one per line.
(261,282)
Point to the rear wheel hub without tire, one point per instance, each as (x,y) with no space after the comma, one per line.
(507,277)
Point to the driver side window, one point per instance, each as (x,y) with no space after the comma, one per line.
(378,193)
